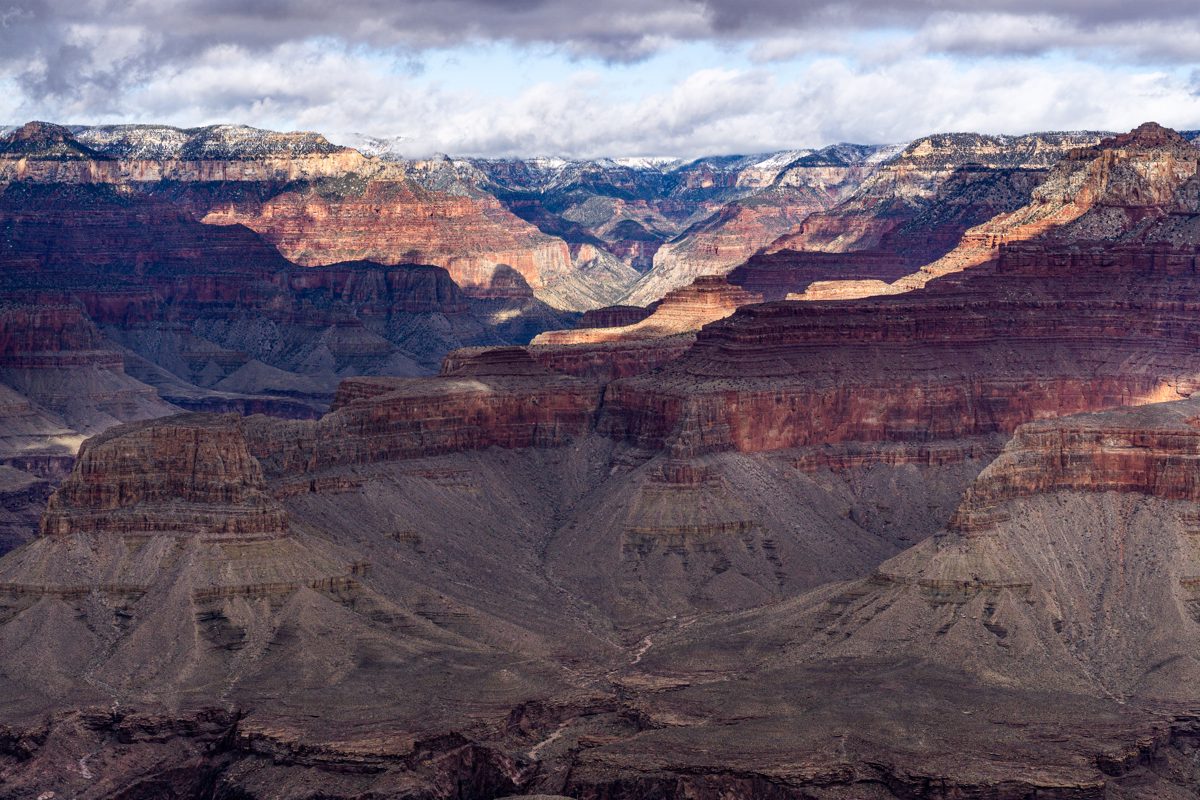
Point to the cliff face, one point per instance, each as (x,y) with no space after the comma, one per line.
(673,221)
(1137,186)
(1069,565)
(396,221)
(941,363)
(492,398)
(775,376)
(61,382)
(684,310)
(912,209)
(727,238)
(319,203)
(901,211)
(788,189)
(218,318)
(190,475)
(45,153)
(1063,590)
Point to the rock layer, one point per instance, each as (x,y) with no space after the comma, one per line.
(190,475)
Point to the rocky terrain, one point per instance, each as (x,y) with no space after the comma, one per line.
(937,543)
(640,228)
(123,301)
(911,206)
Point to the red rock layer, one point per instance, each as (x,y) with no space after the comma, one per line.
(912,211)
(319,204)
(396,221)
(204,301)
(54,356)
(186,475)
(607,361)
(776,276)
(968,359)
(1131,187)
(615,316)
(726,239)
(1152,450)
(688,309)
(33,329)
(485,398)
(1058,326)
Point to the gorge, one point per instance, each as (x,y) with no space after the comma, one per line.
(858,472)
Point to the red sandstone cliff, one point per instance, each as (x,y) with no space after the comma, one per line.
(1135,185)
(320,204)
(395,221)
(682,311)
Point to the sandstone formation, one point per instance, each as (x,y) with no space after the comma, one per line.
(319,203)
(671,220)
(122,304)
(398,222)
(791,190)
(615,316)
(1032,333)
(1134,185)
(60,381)
(682,311)
(908,208)
(914,210)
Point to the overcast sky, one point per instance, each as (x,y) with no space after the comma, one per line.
(590,78)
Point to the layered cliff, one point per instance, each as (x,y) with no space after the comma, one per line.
(62,382)
(221,311)
(168,577)
(187,475)
(396,221)
(682,311)
(1043,329)
(498,397)
(787,189)
(1069,565)
(905,210)
(912,211)
(319,203)
(671,220)
(121,154)
(1136,186)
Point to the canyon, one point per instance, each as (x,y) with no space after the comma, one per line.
(873,474)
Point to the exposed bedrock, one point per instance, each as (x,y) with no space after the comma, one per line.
(682,311)
(186,474)
(1071,563)
(396,222)
(60,380)
(499,397)
(1049,333)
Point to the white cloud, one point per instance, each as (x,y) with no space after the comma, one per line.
(867,89)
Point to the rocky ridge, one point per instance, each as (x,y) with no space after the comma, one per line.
(263,178)
(689,218)
(1130,186)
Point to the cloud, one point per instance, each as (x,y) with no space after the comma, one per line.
(154,32)
(779,73)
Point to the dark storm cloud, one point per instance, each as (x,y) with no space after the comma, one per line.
(611,29)
(335,64)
